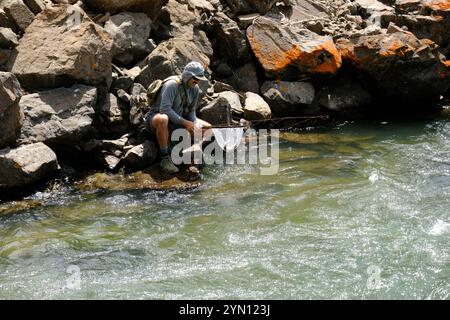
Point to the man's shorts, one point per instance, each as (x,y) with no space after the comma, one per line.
(148,124)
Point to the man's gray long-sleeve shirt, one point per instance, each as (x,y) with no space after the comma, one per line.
(169,102)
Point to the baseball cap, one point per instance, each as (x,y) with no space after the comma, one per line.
(196,69)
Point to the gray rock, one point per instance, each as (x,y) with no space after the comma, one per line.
(344,95)
(246,20)
(11,116)
(36,6)
(61,47)
(5,21)
(5,54)
(231,40)
(375,11)
(251,6)
(245,78)
(8,39)
(58,116)
(170,58)
(288,98)
(217,112)
(234,101)
(256,108)
(183,21)
(18,12)
(111,109)
(26,165)
(139,104)
(141,156)
(151,7)
(130,33)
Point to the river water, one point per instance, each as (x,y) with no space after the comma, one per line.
(357,211)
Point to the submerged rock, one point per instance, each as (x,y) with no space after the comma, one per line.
(149,179)
(18,206)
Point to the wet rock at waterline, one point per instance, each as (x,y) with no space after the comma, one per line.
(149,179)
(344,95)
(288,98)
(404,69)
(26,165)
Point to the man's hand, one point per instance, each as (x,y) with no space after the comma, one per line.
(189,125)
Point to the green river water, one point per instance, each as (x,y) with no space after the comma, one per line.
(358,211)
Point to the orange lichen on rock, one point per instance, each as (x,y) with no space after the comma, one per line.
(324,58)
(346,49)
(438,5)
(281,52)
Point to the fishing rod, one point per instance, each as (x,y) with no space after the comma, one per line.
(249,124)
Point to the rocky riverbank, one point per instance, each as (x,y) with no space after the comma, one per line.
(73,75)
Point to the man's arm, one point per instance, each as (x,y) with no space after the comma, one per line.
(192,116)
(168,94)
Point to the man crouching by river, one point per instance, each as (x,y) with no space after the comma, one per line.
(175,108)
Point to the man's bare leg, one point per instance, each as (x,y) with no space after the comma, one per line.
(161,123)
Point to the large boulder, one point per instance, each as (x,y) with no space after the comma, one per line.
(288,52)
(151,7)
(404,69)
(26,165)
(245,78)
(58,116)
(62,46)
(288,98)
(170,58)
(427,19)
(11,116)
(177,20)
(256,108)
(232,42)
(344,96)
(217,112)
(130,33)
